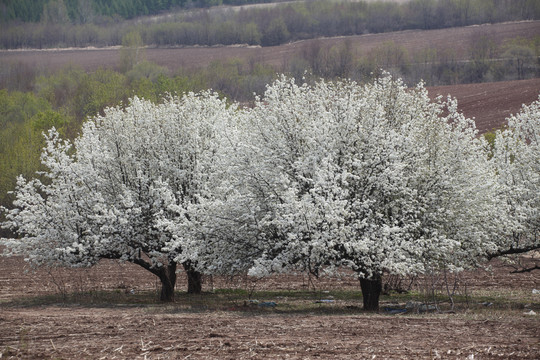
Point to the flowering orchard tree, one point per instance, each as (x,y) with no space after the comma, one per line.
(113,192)
(517,158)
(376,178)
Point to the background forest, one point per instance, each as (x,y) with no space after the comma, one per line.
(33,99)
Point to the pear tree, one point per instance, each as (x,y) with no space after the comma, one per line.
(516,156)
(112,192)
(375,178)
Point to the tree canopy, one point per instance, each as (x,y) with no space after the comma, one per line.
(517,162)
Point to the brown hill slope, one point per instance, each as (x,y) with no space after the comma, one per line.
(491,103)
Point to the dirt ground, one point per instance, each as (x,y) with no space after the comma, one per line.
(491,103)
(137,333)
(18,280)
(180,330)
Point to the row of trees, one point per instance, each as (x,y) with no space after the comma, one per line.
(375,178)
(266,26)
(485,60)
(96,11)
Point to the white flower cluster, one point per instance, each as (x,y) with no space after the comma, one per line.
(516,157)
(377,178)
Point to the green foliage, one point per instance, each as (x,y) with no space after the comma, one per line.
(235,79)
(155,89)
(99,90)
(44,120)
(80,94)
(132,52)
(84,11)
(25,10)
(18,107)
(55,12)
(146,70)
(276,33)
(521,59)
(58,89)
(490,138)
(23,118)
(391,56)
(62,100)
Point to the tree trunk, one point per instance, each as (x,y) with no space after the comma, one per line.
(167,275)
(371,290)
(194,279)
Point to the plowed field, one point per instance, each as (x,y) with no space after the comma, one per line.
(491,103)
(45,326)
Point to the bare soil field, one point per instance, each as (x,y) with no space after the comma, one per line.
(144,333)
(39,323)
(491,103)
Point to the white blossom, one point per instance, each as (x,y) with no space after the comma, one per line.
(377,178)
(516,156)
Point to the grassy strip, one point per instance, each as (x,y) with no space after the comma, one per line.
(281,302)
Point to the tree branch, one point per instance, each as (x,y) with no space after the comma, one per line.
(512,251)
(147,266)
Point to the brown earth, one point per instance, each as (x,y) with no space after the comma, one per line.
(35,330)
(141,333)
(491,103)
(18,280)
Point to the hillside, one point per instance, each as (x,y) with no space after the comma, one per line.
(489,103)
(62,23)
(458,39)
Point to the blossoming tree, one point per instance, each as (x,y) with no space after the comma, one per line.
(378,178)
(517,158)
(112,192)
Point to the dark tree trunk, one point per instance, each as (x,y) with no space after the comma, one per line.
(194,279)
(167,275)
(371,290)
